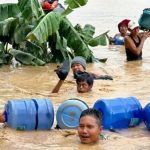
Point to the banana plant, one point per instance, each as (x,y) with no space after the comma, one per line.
(35,37)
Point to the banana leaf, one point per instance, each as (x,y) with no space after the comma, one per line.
(48,25)
(87,32)
(7,27)
(61,45)
(72,4)
(21,32)
(8,11)
(99,40)
(74,41)
(31,9)
(34,48)
(75,3)
(26,58)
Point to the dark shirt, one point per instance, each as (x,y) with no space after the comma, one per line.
(130,55)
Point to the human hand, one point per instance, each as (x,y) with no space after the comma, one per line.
(62,71)
(146,34)
(2,118)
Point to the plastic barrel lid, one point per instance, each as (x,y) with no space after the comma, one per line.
(69,112)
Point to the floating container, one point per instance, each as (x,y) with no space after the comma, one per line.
(69,112)
(119,40)
(29,114)
(146,116)
(144,20)
(118,113)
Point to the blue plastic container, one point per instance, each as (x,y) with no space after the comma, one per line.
(119,40)
(144,20)
(30,114)
(69,112)
(119,113)
(146,116)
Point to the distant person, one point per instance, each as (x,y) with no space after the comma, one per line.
(78,63)
(118,39)
(134,41)
(90,126)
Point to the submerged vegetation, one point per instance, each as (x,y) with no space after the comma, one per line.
(34,37)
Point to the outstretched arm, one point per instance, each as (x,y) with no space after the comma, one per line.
(57,87)
(62,73)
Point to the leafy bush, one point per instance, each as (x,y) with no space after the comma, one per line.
(34,37)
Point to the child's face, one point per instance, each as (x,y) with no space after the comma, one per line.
(77,67)
(123,29)
(88,130)
(83,87)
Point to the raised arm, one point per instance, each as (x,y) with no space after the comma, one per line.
(131,45)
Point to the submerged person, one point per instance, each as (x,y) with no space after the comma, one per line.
(134,42)
(90,126)
(118,39)
(84,83)
(78,63)
(84,80)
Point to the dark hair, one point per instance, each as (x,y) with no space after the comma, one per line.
(84,76)
(123,23)
(92,112)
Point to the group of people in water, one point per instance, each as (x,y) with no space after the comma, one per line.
(90,121)
(131,38)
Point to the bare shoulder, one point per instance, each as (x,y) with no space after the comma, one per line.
(127,38)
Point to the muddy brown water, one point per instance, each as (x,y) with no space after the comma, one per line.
(130,79)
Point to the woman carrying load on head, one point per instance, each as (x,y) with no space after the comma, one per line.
(134,41)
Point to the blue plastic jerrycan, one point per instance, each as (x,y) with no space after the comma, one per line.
(119,113)
(69,112)
(146,116)
(29,114)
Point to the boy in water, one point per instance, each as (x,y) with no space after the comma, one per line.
(84,81)
(78,63)
(90,126)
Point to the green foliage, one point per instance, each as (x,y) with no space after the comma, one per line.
(47,26)
(8,11)
(74,40)
(99,40)
(26,58)
(37,38)
(76,3)
(30,9)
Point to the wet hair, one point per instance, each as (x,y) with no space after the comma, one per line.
(94,113)
(84,76)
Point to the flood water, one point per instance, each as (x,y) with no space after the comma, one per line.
(130,79)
